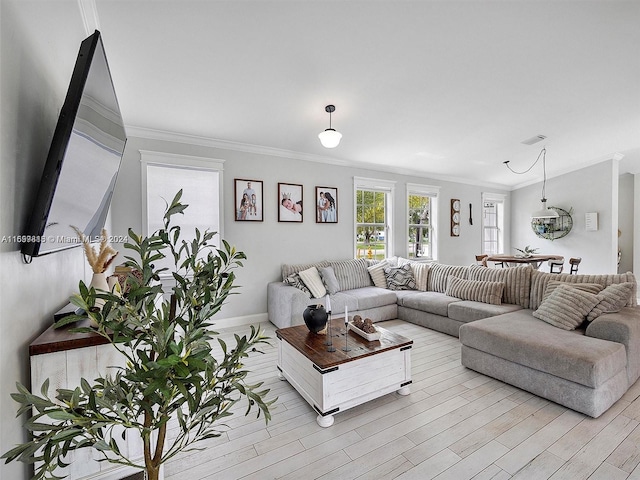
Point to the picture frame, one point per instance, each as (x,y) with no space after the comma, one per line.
(249,209)
(326,205)
(290,202)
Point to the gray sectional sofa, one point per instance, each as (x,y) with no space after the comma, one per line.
(587,368)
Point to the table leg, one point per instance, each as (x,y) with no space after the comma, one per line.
(404,391)
(325,421)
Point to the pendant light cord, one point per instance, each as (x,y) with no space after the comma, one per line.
(543,154)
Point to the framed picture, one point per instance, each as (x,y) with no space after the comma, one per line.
(326,205)
(248,200)
(289,202)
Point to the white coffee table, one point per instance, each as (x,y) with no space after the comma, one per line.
(332,382)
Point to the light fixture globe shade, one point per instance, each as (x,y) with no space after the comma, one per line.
(330,138)
(545,212)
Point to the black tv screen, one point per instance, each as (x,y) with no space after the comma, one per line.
(83,161)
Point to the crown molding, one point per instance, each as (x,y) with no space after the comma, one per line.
(89,14)
(161,135)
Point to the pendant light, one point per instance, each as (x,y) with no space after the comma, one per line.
(330,138)
(544,212)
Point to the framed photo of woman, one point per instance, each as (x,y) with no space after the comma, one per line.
(289,202)
(248,200)
(326,205)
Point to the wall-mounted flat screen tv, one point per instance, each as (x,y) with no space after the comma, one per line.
(83,161)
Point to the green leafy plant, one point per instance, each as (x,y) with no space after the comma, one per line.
(527,251)
(171,371)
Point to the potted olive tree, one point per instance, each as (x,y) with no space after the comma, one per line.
(171,371)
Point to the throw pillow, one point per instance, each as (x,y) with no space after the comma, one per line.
(421,274)
(594,288)
(352,274)
(566,307)
(312,280)
(377,274)
(400,278)
(439,276)
(329,279)
(294,280)
(475,290)
(612,299)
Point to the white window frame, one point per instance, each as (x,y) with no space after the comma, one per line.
(378,185)
(187,162)
(500,220)
(433,192)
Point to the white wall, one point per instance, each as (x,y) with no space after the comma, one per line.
(268,244)
(39,42)
(591,189)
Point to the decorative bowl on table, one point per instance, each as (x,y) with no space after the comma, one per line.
(371,337)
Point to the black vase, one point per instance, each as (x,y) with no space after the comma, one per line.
(315,317)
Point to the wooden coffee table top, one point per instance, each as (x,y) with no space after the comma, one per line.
(312,345)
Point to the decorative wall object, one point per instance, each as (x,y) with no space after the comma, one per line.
(326,205)
(455,217)
(249,198)
(553,228)
(289,202)
(591,221)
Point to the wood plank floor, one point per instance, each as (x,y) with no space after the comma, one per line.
(456,424)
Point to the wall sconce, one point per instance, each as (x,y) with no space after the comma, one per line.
(544,212)
(330,138)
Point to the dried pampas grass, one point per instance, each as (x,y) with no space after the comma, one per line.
(106,254)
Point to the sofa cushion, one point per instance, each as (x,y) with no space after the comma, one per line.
(566,307)
(400,278)
(378,277)
(430,302)
(352,273)
(371,297)
(420,272)
(517,281)
(311,278)
(329,279)
(611,300)
(470,311)
(485,292)
(289,269)
(539,281)
(521,338)
(439,276)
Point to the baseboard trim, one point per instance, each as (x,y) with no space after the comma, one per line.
(239,321)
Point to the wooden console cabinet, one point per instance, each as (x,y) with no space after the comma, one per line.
(64,358)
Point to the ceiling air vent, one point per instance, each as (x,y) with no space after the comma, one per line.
(536,139)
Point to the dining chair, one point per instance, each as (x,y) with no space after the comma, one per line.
(556,266)
(574,262)
(481,259)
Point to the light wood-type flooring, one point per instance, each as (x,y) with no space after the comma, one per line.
(456,424)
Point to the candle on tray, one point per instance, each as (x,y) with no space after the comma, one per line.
(346,314)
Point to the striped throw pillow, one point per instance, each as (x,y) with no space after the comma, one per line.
(439,276)
(566,307)
(377,274)
(352,273)
(517,281)
(477,291)
(612,299)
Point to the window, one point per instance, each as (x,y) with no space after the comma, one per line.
(201,182)
(421,207)
(373,235)
(492,223)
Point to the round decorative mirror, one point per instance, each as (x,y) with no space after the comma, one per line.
(552,228)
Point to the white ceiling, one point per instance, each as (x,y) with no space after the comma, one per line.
(445,89)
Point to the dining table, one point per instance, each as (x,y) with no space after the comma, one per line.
(511,260)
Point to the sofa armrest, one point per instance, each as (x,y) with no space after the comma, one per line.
(621,327)
(282,301)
